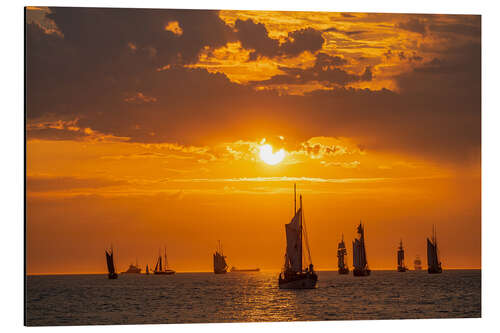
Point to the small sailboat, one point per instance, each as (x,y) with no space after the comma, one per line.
(111,265)
(417,264)
(341,253)
(294,276)
(147,269)
(220,264)
(162,269)
(433,263)
(359,254)
(401,258)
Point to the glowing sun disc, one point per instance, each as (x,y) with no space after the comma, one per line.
(266,154)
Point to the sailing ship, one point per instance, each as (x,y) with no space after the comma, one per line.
(220,265)
(111,265)
(162,269)
(294,276)
(401,258)
(341,253)
(417,264)
(133,269)
(433,263)
(237,270)
(359,254)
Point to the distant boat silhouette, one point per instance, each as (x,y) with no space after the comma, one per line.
(162,269)
(236,270)
(147,269)
(341,253)
(220,265)
(359,254)
(401,258)
(417,264)
(133,269)
(111,265)
(293,275)
(433,263)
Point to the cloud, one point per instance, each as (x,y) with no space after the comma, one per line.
(255,36)
(414,25)
(87,74)
(51,184)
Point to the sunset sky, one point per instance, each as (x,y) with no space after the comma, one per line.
(145,127)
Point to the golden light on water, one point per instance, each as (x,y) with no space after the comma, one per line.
(266,154)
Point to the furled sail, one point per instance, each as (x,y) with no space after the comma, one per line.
(294,243)
(341,253)
(401,254)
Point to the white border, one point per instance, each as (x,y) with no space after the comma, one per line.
(12,161)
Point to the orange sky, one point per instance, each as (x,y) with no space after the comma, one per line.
(150,137)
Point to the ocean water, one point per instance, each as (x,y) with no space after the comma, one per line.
(249,297)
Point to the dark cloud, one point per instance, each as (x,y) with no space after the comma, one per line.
(86,75)
(414,25)
(254,36)
(325,70)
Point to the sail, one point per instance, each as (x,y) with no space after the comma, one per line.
(401,257)
(109,261)
(341,253)
(219,262)
(432,260)
(294,243)
(359,251)
(355,254)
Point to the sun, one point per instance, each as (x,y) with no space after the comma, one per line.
(266,154)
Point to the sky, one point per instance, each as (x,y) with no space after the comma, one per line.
(145,128)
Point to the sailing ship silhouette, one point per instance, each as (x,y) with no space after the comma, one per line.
(294,276)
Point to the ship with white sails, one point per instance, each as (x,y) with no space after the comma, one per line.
(220,264)
(162,269)
(359,260)
(294,276)
(433,263)
(401,258)
(341,254)
(111,264)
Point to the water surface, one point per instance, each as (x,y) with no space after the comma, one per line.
(245,297)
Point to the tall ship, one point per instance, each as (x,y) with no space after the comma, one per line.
(341,254)
(294,276)
(133,269)
(243,270)
(162,269)
(401,258)
(417,264)
(433,263)
(111,264)
(220,264)
(359,254)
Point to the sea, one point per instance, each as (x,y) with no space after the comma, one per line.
(53,300)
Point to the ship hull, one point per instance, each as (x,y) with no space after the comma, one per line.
(361,272)
(298,281)
(434,270)
(402,269)
(169,272)
(245,270)
(343,271)
(220,271)
(112,276)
